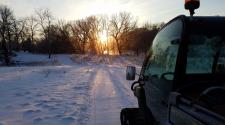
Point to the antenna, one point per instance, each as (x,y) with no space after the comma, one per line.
(191,5)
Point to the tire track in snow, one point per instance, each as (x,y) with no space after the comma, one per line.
(109,96)
(122,87)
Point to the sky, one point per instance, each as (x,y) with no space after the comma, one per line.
(144,10)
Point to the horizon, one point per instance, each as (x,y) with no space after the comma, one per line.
(73,10)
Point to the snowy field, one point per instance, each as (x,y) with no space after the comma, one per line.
(65,90)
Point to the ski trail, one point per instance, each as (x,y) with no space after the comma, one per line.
(108,98)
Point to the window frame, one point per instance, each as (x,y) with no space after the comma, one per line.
(179,65)
(183,78)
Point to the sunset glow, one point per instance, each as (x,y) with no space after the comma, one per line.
(101,7)
(103,37)
(105,52)
(150,10)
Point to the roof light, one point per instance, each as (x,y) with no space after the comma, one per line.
(191,5)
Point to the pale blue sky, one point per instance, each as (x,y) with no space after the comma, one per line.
(144,10)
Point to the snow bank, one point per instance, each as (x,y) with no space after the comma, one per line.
(29,59)
(109,59)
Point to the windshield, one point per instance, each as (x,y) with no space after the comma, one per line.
(206,51)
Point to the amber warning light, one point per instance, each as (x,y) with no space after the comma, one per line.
(191,5)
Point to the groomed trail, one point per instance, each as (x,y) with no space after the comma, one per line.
(110,93)
(87,93)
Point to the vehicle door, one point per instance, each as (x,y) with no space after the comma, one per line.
(159,69)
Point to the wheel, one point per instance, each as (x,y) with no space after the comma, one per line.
(135,116)
(124,118)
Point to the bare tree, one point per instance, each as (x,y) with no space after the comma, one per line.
(10,34)
(150,26)
(45,21)
(120,25)
(61,34)
(64,29)
(32,26)
(75,36)
(6,21)
(94,24)
(81,33)
(84,30)
(18,28)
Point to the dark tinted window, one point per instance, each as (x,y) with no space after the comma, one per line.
(206,48)
(205,55)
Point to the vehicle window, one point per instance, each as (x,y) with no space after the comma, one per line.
(164,50)
(206,54)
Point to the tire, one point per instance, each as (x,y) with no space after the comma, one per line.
(135,116)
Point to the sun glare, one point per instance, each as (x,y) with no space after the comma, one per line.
(105,52)
(103,37)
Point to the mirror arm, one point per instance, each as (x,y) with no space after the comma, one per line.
(141,77)
(138,74)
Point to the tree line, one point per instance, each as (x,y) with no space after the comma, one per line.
(42,33)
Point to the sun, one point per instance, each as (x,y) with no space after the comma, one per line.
(103,37)
(105,52)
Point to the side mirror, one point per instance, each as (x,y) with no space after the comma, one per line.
(130,73)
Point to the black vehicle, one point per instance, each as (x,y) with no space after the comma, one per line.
(182,81)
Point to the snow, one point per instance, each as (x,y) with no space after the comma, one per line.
(110,94)
(65,90)
(28,59)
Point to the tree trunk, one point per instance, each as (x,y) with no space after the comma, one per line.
(49,46)
(118,46)
(49,49)
(137,52)
(17,44)
(83,48)
(6,54)
(10,41)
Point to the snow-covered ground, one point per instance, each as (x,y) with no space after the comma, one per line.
(67,90)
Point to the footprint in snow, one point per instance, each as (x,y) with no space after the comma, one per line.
(38,95)
(27,93)
(73,103)
(74,113)
(52,108)
(29,97)
(58,116)
(25,104)
(22,94)
(67,120)
(37,120)
(53,99)
(77,87)
(19,94)
(31,112)
(8,107)
(43,105)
